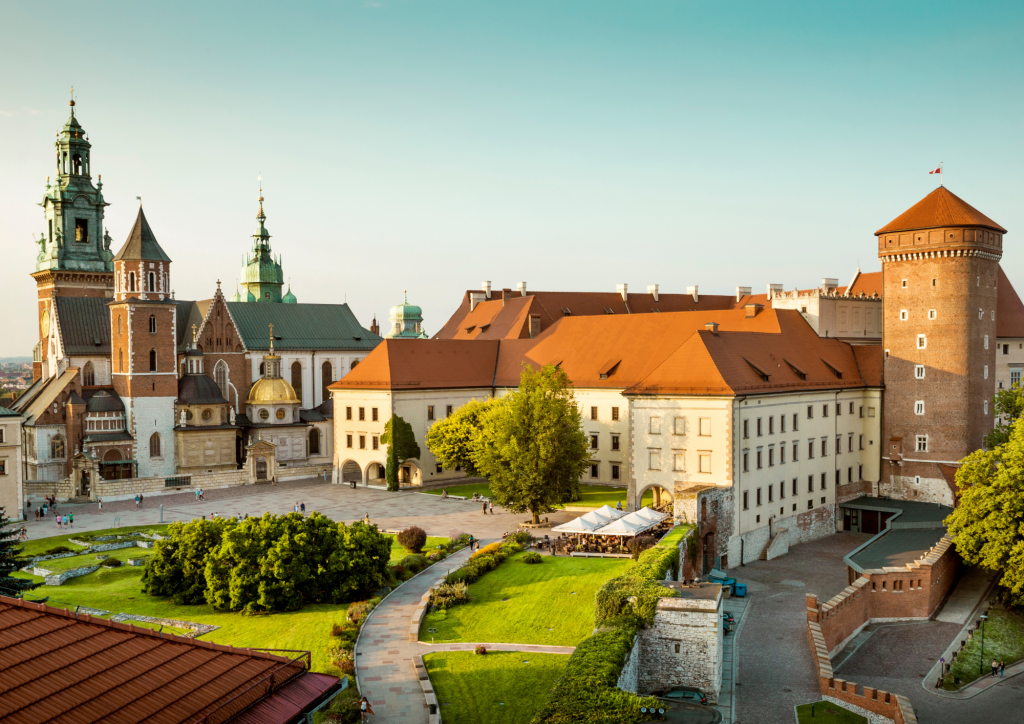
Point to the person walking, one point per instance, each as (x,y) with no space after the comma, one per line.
(365,709)
(37,515)
(142,499)
(99,501)
(490,507)
(58,521)
(366,518)
(995,667)
(1002,664)
(66,522)
(484,507)
(71,520)
(302,508)
(136,502)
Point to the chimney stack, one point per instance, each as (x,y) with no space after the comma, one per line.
(621,289)
(829,284)
(773,289)
(652,289)
(692,291)
(753,309)
(486,286)
(742,292)
(521,286)
(474,299)
(506,294)
(712,327)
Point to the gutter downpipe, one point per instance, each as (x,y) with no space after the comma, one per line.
(739,473)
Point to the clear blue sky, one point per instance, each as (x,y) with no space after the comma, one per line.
(575,145)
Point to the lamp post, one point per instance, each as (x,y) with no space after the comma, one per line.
(981,664)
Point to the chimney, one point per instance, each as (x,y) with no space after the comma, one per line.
(712,327)
(692,291)
(652,289)
(774,289)
(375,328)
(753,309)
(521,286)
(486,286)
(742,292)
(474,299)
(621,289)
(506,294)
(829,283)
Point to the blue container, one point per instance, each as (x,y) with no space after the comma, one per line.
(739,589)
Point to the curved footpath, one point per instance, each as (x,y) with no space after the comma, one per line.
(383,653)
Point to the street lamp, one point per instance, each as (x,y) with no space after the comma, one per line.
(981,664)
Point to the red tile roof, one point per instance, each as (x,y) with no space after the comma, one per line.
(1009,309)
(58,667)
(869,361)
(424,364)
(870,284)
(939,208)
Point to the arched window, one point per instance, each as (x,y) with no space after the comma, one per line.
(119,324)
(152,324)
(314,442)
(131,281)
(152,282)
(152,360)
(120,357)
(354,363)
(88,375)
(263,368)
(154,445)
(297,378)
(76,164)
(327,377)
(220,374)
(57,448)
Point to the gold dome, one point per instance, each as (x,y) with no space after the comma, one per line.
(270,390)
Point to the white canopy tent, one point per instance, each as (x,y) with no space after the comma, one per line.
(609,512)
(650,514)
(629,525)
(580,525)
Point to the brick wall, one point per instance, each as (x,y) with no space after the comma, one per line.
(849,491)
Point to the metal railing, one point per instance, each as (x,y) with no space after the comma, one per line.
(178,481)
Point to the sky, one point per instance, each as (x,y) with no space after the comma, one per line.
(430,146)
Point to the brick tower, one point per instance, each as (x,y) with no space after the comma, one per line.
(940,264)
(143,347)
(74,258)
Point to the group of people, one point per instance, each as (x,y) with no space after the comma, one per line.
(65,521)
(200,494)
(487,506)
(138,501)
(299,507)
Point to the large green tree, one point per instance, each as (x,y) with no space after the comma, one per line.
(532,447)
(9,550)
(402,446)
(987,526)
(177,567)
(454,440)
(1007,406)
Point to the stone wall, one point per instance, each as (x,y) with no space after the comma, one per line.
(812,524)
(39,489)
(56,579)
(683,647)
(629,677)
(127,489)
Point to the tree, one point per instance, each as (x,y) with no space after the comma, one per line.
(402,446)
(1007,406)
(987,527)
(9,550)
(177,567)
(532,447)
(454,439)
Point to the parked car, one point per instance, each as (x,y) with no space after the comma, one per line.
(684,693)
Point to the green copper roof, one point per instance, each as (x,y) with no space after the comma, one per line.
(4,412)
(289,298)
(301,326)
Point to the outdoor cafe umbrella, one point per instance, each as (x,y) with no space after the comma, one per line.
(655,516)
(579,525)
(609,512)
(595,516)
(625,526)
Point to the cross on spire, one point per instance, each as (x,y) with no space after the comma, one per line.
(193,335)
(271,338)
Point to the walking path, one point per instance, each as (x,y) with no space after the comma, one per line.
(383,653)
(525,648)
(730,662)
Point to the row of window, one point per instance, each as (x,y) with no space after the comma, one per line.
(362,415)
(374,442)
(593,413)
(922,342)
(760,422)
(932,314)
(760,456)
(595,471)
(679,426)
(1014,379)
(116,423)
(679,460)
(430,411)
(823,482)
(150,278)
(782,509)
(595,438)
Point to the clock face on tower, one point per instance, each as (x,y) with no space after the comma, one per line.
(45,323)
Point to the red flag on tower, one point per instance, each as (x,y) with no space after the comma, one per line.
(938,170)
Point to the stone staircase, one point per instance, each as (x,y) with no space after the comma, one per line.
(771,550)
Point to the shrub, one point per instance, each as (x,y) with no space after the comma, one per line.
(533,557)
(436,556)
(358,611)
(412,539)
(480,650)
(446,595)
(414,563)
(58,550)
(511,548)
(347,666)
(484,563)
(639,544)
(522,537)
(337,630)
(110,562)
(462,575)
(487,550)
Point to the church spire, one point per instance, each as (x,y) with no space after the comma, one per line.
(262,276)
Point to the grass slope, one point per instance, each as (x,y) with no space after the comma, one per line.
(398,552)
(1004,641)
(502,687)
(551,603)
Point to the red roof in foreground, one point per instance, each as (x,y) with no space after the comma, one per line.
(939,208)
(56,667)
(1009,309)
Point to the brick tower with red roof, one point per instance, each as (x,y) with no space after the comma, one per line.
(940,265)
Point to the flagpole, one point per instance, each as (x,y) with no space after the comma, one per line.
(940,173)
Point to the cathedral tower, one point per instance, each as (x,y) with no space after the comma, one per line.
(940,264)
(74,258)
(262,276)
(143,347)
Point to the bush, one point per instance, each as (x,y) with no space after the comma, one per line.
(110,563)
(446,595)
(639,544)
(435,556)
(487,550)
(462,575)
(533,557)
(484,563)
(480,650)
(57,551)
(414,563)
(522,537)
(412,539)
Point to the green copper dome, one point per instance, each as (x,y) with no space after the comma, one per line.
(406,321)
(289,298)
(262,275)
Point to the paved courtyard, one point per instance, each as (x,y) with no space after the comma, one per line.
(391,511)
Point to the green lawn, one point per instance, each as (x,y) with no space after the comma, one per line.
(551,603)
(66,564)
(593,496)
(398,552)
(40,546)
(501,687)
(825,712)
(1004,641)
